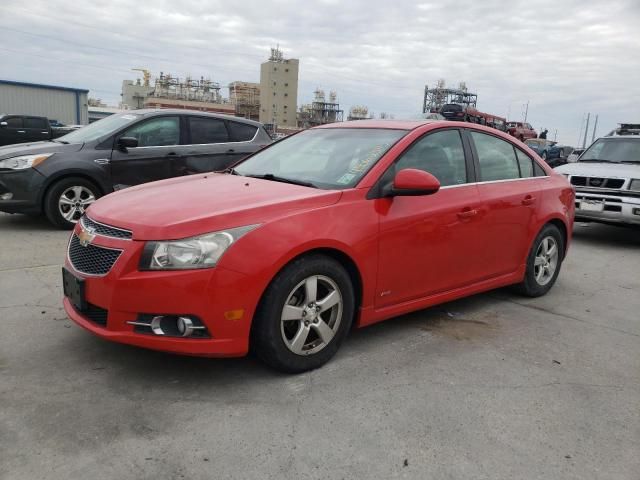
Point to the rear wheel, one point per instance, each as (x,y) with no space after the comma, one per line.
(67,200)
(543,263)
(304,315)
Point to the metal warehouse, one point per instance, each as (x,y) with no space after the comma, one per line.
(64,104)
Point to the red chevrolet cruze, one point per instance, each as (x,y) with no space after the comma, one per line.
(349,223)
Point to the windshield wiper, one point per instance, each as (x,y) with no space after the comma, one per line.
(275,178)
(60,141)
(231,171)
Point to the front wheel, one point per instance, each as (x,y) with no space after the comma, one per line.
(543,263)
(67,200)
(304,315)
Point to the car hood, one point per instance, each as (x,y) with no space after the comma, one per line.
(18,149)
(188,206)
(609,170)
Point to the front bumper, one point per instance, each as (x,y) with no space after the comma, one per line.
(24,188)
(615,208)
(126,293)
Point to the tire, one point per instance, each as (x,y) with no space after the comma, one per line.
(70,196)
(288,330)
(522,138)
(536,284)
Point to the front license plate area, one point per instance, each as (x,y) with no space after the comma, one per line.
(74,289)
(592,205)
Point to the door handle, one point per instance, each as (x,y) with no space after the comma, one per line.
(467,213)
(171,154)
(20,131)
(231,150)
(528,200)
(46,133)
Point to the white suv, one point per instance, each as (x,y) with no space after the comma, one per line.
(607,178)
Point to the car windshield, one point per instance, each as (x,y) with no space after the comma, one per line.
(613,150)
(330,158)
(99,129)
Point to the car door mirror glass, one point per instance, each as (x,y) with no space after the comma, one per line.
(414,182)
(125,143)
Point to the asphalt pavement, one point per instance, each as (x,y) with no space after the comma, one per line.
(495,386)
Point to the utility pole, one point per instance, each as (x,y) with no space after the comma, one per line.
(595,125)
(526,111)
(586,132)
(555,135)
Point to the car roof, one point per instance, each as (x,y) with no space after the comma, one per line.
(387,124)
(179,111)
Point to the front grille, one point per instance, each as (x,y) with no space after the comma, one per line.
(597,182)
(96,314)
(106,230)
(92,260)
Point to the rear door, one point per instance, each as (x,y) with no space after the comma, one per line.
(13,132)
(509,192)
(37,129)
(207,148)
(158,147)
(429,244)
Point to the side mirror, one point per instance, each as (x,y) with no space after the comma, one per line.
(127,142)
(413,182)
(4,124)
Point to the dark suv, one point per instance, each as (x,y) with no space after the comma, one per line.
(63,177)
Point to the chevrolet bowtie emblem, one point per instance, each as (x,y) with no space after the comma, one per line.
(86,236)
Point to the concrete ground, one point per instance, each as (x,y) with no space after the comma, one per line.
(491,387)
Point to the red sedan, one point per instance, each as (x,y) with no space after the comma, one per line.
(346,224)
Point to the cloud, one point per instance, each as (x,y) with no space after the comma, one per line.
(565,58)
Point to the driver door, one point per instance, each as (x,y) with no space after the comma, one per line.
(431,244)
(158,147)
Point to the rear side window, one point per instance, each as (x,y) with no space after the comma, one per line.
(32,122)
(526,164)
(14,122)
(241,132)
(441,154)
(156,132)
(496,157)
(207,130)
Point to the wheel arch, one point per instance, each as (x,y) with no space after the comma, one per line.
(563,230)
(67,174)
(341,257)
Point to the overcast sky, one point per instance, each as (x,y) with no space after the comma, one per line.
(566,57)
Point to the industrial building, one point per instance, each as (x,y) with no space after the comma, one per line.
(278,90)
(169,91)
(320,111)
(245,97)
(64,104)
(359,112)
(435,98)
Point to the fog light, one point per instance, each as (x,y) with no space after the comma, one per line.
(6,196)
(185,326)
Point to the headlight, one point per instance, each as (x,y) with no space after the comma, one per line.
(635,185)
(24,161)
(203,251)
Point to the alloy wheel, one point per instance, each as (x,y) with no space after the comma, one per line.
(546,260)
(74,201)
(311,315)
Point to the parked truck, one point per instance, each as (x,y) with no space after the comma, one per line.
(29,128)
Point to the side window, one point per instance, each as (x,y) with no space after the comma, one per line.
(207,130)
(241,132)
(32,122)
(497,158)
(156,132)
(537,169)
(441,154)
(14,122)
(526,164)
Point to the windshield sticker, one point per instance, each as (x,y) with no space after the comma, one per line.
(373,155)
(346,178)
